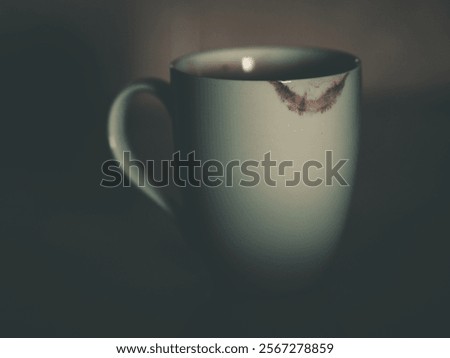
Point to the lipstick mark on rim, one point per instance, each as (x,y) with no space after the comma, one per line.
(301,104)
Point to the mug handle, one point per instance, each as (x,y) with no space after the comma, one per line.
(118,140)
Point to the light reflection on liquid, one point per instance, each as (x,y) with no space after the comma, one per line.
(248,63)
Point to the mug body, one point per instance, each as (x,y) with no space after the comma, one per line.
(283,124)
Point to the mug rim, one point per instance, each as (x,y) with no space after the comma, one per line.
(343,62)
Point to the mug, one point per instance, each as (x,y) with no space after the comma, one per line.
(286,116)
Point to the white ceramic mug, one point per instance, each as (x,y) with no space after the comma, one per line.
(239,104)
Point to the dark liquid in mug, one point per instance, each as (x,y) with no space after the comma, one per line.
(266,64)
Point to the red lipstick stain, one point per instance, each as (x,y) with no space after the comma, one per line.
(301,104)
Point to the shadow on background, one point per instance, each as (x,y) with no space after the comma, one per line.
(77,260)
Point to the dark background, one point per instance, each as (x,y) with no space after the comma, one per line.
(77,260)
